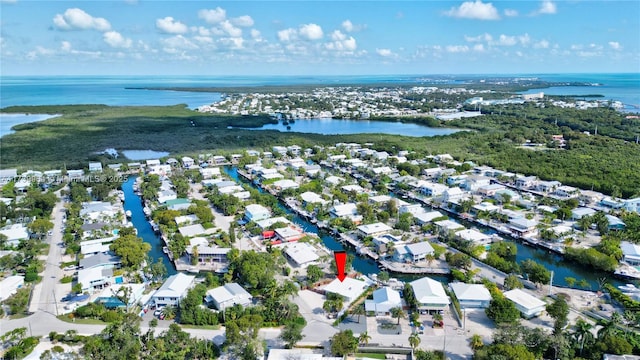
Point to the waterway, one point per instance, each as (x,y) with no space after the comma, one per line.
(552,261)
(133,203)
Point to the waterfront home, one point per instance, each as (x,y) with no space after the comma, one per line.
(429,294)
(242,195)
(485,207)
(373,230)
(166,195)
(566,192)
(267,223)
(255,212)
(379,200)
(526,182)
(456,180)
(432,172)
(10,285)
(452,195)
(285,184)
(355,188)
(471,296)
(426,217)
(97,210)
(447,226)
(632,205)
(615,223)
(560,232)
(475,182)
(209,172)
(630,253)
(228,295)
(186,219)
(289,233)
(381,243)
(108,296)
(101,260)
(417,251)
(590,197)
(433,189)
(523,227)
(506,195)
(301,254)
(95,167)
(349,289)
(579,213)
(96,278)
(382,170)
(547,186)
(309,197)
(384,299)
(15,233)
(160,170)
(191,230)
(609,203)
(333,180)
(217,160)
(173,290)
(95,229)
(474,236)
(230,190)
(528,305)
(208,254)
(94,247)
(489,190)
(349,211)
(187,162)
(412,209)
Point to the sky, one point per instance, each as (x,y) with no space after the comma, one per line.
(138,37)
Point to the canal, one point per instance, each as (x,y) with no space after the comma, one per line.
(133,203)
(561,268)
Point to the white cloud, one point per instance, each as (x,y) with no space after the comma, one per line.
(547,7)
(524,39)
(483,37)
(287,35)
(510,12)
(78,19)
(233,42)
(478,47)
(170,26)
(116,40)
(542,44)
(203,39)
(255,34)
(65,46)
(474,10)
(243,21)
(348,26)
(213,16)
(505,40)
(341,42)
(615,45)
(201,30)
(311,31)
(172,44)
(385,52)
(230,29)
(457,48)
(40,52)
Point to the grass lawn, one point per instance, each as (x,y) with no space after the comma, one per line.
(370,355)
(67,318)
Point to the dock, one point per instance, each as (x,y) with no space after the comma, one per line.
(412,269)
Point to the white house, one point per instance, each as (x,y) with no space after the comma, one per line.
(96,209)
(384,299)
(475,182)
(210,172)
(309,197)
(429,294)
(419,251)
(526,182)
(187,162)
(375,229)
(474,236)
(348,210)
(581,212)
(15,233)
(267,223)
(95,278)
(566,192)
(10,285)
(191,230)
(528,304)
(446,226)
(349,289)
(173,290)
(632,204)
(285,184)
(471,295)
(452,194)
(255,212)
(228,295)
(630,253)
(95,167)
(523,227)
(301,254)
(426,217)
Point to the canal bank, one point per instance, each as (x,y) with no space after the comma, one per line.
(133,203)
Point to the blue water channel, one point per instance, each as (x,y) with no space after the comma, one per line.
(133,203)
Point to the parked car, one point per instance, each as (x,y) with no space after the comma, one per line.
(157,313)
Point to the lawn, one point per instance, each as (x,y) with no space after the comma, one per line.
(370,356)
(69,319)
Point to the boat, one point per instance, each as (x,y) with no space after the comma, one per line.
(165,249)
(193,270)
(629,288)
(128,213)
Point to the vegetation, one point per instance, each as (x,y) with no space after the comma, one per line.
(343,343)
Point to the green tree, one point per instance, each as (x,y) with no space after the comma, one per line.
(364,338)
(504,352)
(476,342)
(291,334)
(559,311)
(131,249)
(535,271)
(502,310)
(512,282)
(397,313)
(343,343)
(40,227)
(414,340)
(314,273)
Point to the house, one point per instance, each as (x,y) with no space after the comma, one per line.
(547,186)
(228,295)
(349,289)
(419,251)
(6,175)
(432,172)
(108,296)
(447,226)
(95,167)
(255,212)
(526,182)
(309,197)
(384,299)
(456,180)
(632,204)
(173,290)
(471,296)
(209,172)
(475,182)
(381,242)
(529,305)
(96,278)
(382,170)
(10,285)
(186,219)
(566,192)
(349,210)
(412,209)
(289,233)
(301,254)
(523,227)
(611,203)
(630,253)
(579,213)
(206,253)
(166,195)
(490,190)
(101,260)
(379,200)
(301,354)
(506,195)
(427,217)
(97,209)
(267,223)
(178,204)
(187,162)
(353,188)
(373,230)
(615,223)
(484,207)
(452,194)
(429,294)
(333,180)
(474,236)
(285,184)
(15,233)
(191,230)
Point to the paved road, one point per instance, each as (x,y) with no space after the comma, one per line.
(43,298)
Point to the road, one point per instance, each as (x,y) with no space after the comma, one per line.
(48,292)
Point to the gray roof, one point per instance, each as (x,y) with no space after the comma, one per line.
(99,260)
(419,248)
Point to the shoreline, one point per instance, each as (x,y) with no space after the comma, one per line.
(9,120)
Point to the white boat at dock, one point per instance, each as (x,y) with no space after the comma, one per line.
(629,288)
(128,213)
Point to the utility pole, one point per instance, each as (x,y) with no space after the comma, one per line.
(551,283)
(55,302)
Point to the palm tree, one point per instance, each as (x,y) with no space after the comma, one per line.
(582,332)
(364,338)
(437,318)
(429,259)
(397,313)
(610,328)
(358,310)
(169,312)
(476,342)
(414,340)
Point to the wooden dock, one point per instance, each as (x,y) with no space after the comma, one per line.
(412,269)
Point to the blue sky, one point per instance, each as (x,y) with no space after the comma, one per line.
(130,37)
